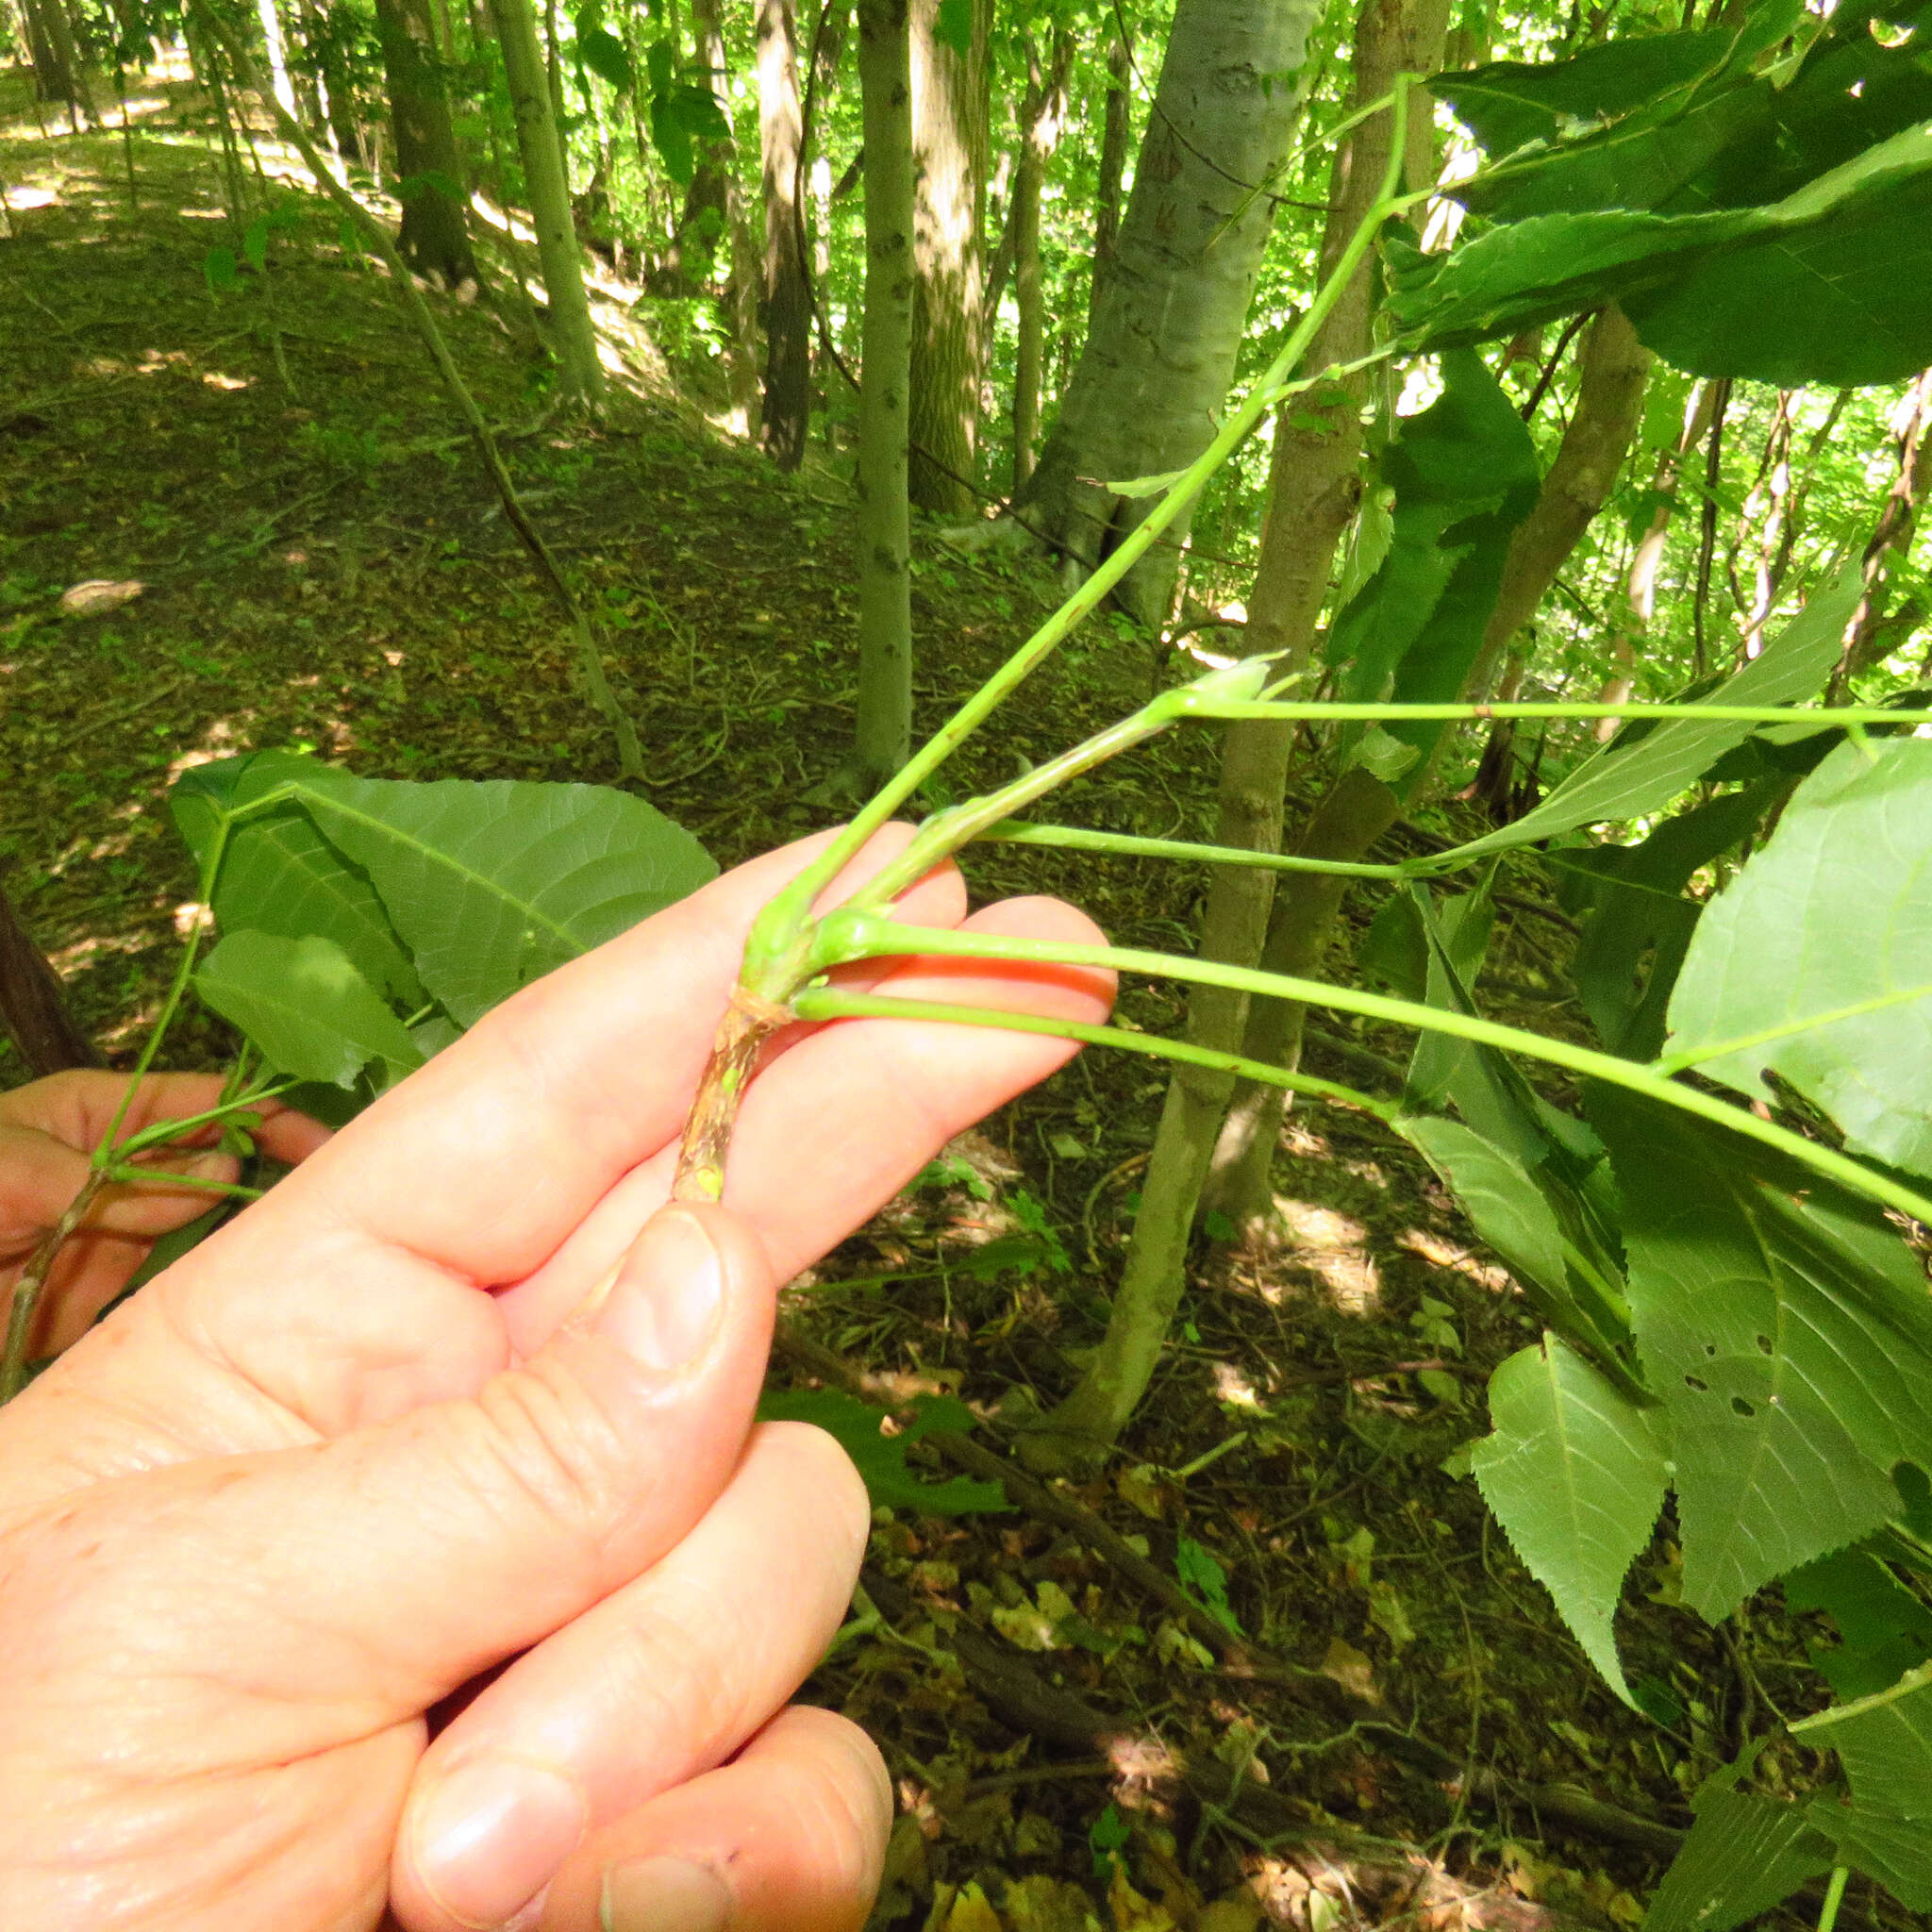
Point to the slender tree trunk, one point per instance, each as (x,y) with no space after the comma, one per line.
(1173,309)
(573,339)
(1116,128)
(276,46)
(951,140)
(885,583)
(337,99)
(1872,632)
(1041,113)
(433,240)
(1613,367)
(63,71)
(53,76)
(706,225)
(1312,494)
(32,1011)
(783,304)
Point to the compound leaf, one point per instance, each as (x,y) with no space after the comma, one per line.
(1576,1474)
(1816,962)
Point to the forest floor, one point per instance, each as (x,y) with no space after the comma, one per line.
(322,564)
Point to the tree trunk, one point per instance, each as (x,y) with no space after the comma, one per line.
(1158,359)
(1613,367)
(433,240)
(1872,632)
(885,582)
(783,304)
(951,139)
(705,226)
(1312,494)
(1041,114)
(573,340)
(1117,124)
(57,60)
(337,97)
(276,46)
(32,1011)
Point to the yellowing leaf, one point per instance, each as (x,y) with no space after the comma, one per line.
(1349,1668)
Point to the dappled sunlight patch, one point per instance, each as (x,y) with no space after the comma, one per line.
(1447,1254)
(1333,1247)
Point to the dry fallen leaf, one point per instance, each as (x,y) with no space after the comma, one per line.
(1349,1668)
(98,594)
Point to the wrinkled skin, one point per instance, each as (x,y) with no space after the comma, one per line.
(456,1402)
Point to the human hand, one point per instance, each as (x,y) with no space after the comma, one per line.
(456,1393)
(50,1127)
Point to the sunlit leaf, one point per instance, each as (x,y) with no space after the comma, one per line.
(1746,1856)
(1816,961)
(1574,1472)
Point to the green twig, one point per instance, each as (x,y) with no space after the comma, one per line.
(1079,838)
(1834,1897)
(843,937)
(779,939)
(829,1003)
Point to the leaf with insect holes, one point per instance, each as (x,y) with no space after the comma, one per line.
(1648,767)
(1574,1472)
(1786,1329)
(1815,963)
(1883,1743)
(305,1006)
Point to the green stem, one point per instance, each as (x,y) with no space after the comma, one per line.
(110,1140)
(829,1003)
(1834,1896)
(1320,712)
(778,940)
(843,937)
(157,1177)
(1079,839)
(164,1131)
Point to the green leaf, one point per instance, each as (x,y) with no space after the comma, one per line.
(220,271)
(1639,925)
(1886,1629)
(1574,1472)
(1786,1329)
(880,1458)
(281,876)
(305,1006)
(1543,1229)
(1816,961)
(1202,1577)
(1507,103)
(1744,1856)
(490,885)
(1146,486)
(255,243)
(953,26)
(603,53)
(1643,772)
(1465,475)
(1885,1744)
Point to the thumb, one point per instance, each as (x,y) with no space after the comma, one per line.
(432,1546)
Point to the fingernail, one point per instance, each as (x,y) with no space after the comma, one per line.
(663,1895)
(492,1834)
(670,1293)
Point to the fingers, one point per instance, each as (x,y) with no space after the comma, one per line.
(833,1128)
(483,1160)
(658,1683)
(380,1572)
(790,1837)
